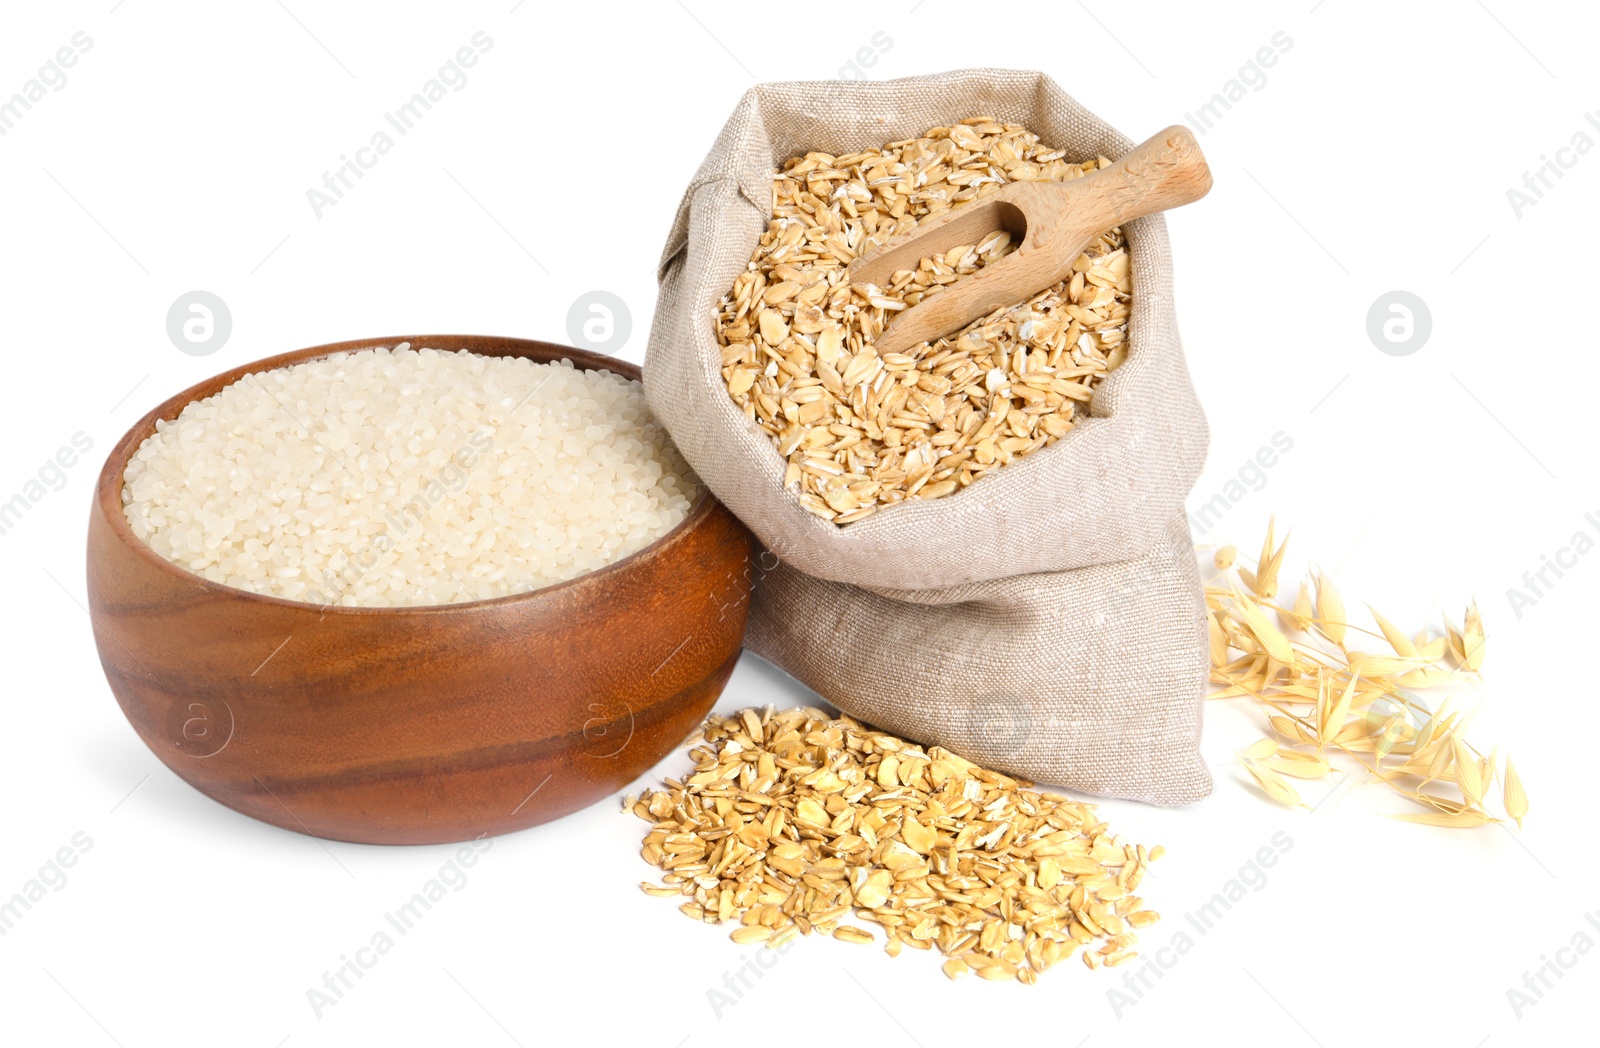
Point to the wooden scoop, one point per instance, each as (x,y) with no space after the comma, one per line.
(1055,221)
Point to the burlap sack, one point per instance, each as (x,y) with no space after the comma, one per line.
(1090,678)
(1047,620)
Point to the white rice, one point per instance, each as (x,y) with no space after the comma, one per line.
(407,477)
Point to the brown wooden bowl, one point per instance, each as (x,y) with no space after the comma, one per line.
(416,725)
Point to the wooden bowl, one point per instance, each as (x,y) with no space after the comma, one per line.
(416,725)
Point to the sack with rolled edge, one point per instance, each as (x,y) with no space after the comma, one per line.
(1048,620)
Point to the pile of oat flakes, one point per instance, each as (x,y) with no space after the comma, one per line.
(794,822)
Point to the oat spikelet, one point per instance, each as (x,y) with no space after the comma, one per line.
(1303,611)
(1217,639)
(1332,708)
(1472,640)
(1275,785)
(1392,732)
(1300,765)
(1397,639)
(1453,639)
(1468,774)
(1290,728)
(1262,748)
(1275,643)
(1334,723)
(1266,579)
(1330,609)
(1513,796)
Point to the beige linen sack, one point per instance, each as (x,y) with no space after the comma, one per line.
(1048,620)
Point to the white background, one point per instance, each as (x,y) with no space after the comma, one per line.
(1377,156)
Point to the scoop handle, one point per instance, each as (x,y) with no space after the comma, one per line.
(1165,171)
(1058,219)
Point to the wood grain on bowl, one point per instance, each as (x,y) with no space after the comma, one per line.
(416,725)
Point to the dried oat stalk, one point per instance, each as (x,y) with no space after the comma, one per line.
(858,430)
(794,822)
(1331,705)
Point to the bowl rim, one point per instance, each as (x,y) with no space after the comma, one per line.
(108,493)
